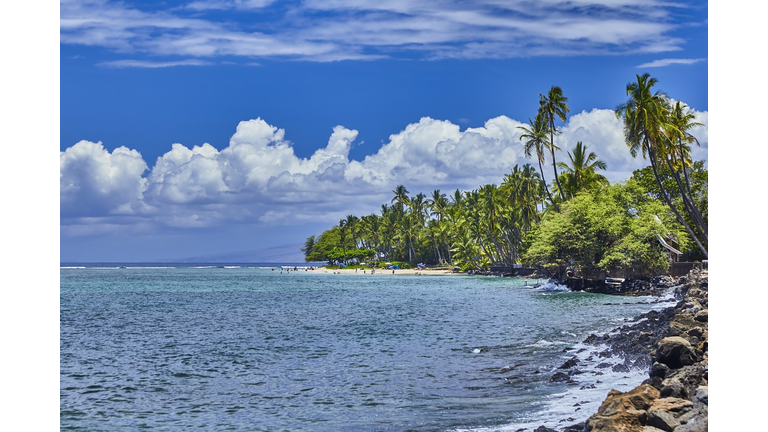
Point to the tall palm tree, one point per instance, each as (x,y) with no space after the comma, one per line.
(582,172)
(550,106)
(679,159)
(401,197)
(351,222)
(646,115)
(437,204)
(524,190)
(535,140)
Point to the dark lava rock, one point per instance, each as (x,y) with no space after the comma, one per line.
(569,364)
(673,389)
(560,377)
(543,429)
(603,365)
(654,381)
(702,316)
(659,370)
(620,368)
(578,427)
(675,352)
(594,339)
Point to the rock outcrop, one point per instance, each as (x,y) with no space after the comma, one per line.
(675,396)
(673,345)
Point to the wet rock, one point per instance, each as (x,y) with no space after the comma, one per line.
(655,382)
(560,377)
(543,429)
(675,352)
(659,370)
(569,364)
(620,368)
(672,344)
(578,427)
(594,339)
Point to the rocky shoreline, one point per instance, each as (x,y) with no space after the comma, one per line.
(673,345)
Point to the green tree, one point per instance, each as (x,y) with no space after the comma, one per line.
(581,174)
(552,105)
(599,230)
(535,141)
(646,116)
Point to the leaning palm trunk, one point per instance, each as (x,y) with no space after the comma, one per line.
(652,158)
(554,164)
(690,205)
(547,188)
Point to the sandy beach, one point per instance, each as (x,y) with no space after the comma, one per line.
(385,272)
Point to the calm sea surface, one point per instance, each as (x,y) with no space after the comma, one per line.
(253,349)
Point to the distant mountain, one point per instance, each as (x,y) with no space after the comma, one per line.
(290,253)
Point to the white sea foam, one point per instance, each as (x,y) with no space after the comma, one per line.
(552,287)
(561,409)
(231,267)
(71,267)
(149,267)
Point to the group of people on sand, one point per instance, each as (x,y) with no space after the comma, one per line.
(294,269)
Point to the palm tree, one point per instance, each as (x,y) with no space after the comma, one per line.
(554,105)
(351,223)
(524,190)
(581,174)
(536,139)
(401,197)
(681,121)
(437,204)
(343,234)
(646,115)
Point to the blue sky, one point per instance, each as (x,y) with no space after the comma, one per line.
(341,101)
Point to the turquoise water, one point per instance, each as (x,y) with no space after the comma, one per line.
(253,349)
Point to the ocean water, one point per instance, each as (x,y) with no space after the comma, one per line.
(248,348)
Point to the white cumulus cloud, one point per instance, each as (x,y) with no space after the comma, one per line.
(94,182)
(259,179)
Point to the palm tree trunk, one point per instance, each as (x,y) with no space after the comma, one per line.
(680,219)
(690,206)
(547,187)
(554,164)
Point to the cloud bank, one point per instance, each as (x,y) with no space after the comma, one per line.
(667,62)
(259,179)
(322,30)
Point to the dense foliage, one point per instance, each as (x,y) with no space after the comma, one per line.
(579,222)
(599,230)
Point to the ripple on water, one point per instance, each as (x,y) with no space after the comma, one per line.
(231,348)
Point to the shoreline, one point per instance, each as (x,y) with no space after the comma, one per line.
(673,344)
(385,272)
